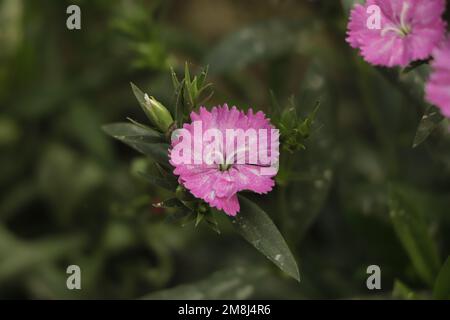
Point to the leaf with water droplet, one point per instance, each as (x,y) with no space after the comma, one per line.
(430,121)
(169,203)
(257,228)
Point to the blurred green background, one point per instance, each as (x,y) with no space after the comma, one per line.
(358,195)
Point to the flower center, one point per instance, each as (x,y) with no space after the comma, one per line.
(403,29)
(224,166)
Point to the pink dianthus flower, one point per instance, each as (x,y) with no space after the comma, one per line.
(218,183)
(409,30)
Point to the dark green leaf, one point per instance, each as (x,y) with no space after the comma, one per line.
(430,121)
(202,77)
(442,285)
(175,81)
(169,203)
(180,106)
(139,96)
(199,218)
(401,291)
(211,221)
(133,132)
(182,216)
(144,140)
(258,229)
(236,283)
(167,184)
(22,257)
(414,234)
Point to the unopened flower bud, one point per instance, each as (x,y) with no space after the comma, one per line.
(157,113)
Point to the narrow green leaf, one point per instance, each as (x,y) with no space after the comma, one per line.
(199,218)
(413,232)
(187,75)
(181,216)
(441,289)
(146,141)
(274,105)
(169,185)
(235,283)
(156,151)
(169,203)
(430,121)
(175,81)
(211,221)
(190,86)
(23,256)
(180,105)
(133,132)
(258,229)
(202,77)
(140,98)
(414,65)
(401,291)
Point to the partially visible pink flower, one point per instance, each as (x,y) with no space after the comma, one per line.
(437,89)
(218,184)
(409,31)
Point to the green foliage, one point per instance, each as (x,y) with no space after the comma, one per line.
(257,228)
(430,121)
(442,284)
(144,140)
(413,231)
(142,34)
(402,292)
(189,92)
(235,283)
(252,223)
(158,115)
(294,131)
(72,195)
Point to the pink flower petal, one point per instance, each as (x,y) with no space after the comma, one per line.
(410,30)
(437,89)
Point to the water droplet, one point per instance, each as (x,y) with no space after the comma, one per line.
(245,292)
(256,243)
(318,184)
(328,174)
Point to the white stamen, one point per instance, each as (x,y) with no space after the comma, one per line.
(403,29)
(390,28)
(405,9)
